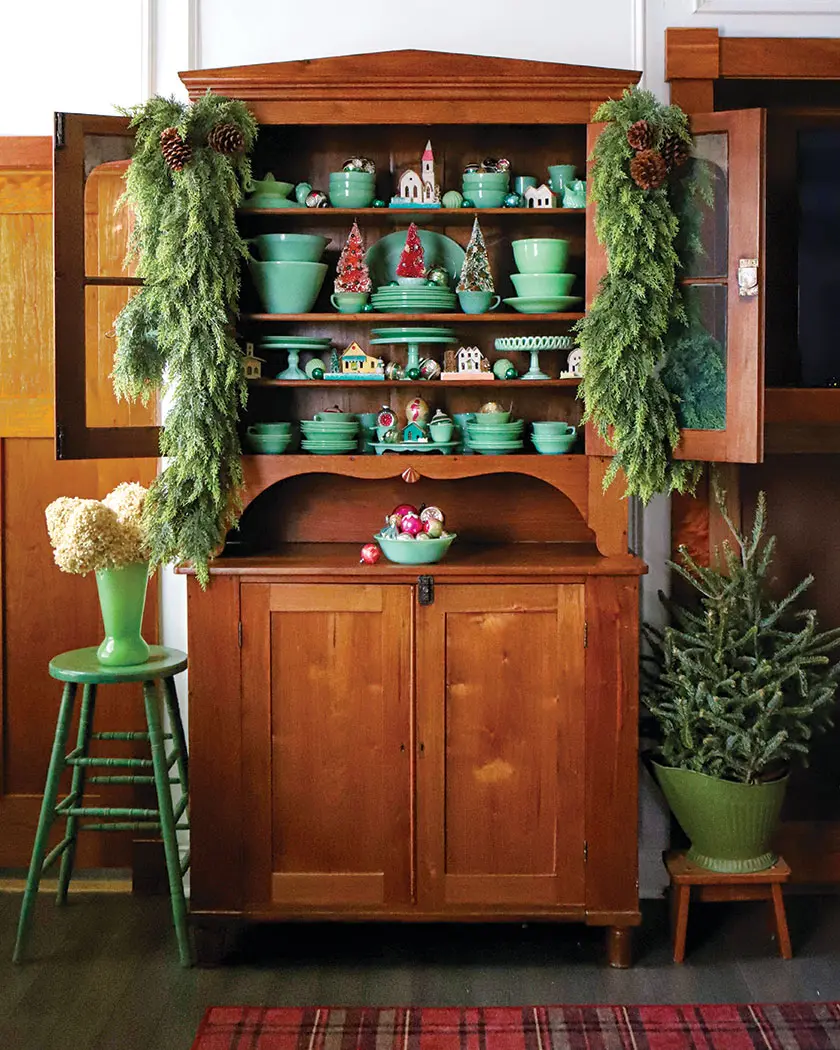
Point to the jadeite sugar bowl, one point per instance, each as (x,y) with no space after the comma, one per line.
(541,254)
(288,287)
(289,247)
(542,284)
(415,552)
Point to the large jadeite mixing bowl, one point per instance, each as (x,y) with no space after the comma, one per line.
(288,287)
(541,254)
(290,247)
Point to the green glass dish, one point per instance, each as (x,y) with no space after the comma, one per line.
(415,552)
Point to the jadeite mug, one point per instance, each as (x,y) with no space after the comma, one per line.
(560,175)
(478,302)
(349,302)
(524,182)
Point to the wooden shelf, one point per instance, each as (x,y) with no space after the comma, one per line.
(387,384)
(422,216)
(382,318)
(462,559)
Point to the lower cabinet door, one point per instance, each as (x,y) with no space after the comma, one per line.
(327,747)
(500,740)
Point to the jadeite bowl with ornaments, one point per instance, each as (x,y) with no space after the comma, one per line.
(415,552)
(497,180)
(289,247)
(542,285)
(288,287)
(489,418)
(541,254)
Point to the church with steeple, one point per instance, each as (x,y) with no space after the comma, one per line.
(419,190)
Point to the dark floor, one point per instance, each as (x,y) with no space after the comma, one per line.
(104,970)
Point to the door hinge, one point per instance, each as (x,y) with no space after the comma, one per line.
(239,633)
(585,851)
(59,441)
(58,130)
(585,634)
(425,590)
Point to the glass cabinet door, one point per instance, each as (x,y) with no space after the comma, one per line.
(722,409)
(91,156)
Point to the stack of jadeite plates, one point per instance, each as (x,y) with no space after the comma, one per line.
(428,298)
(328,437)
(496,438)
(413,334)
(294,342)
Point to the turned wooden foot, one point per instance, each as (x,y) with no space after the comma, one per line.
(620,946)
(214,941)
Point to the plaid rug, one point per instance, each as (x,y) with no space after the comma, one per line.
(786,1026)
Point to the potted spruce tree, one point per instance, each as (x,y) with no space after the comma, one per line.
(737,685)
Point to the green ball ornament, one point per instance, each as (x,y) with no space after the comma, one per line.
(467,203)
(317,373)
(513,200)
(379,203)
(452,199)
(368,308)
(412,373)
(438,275)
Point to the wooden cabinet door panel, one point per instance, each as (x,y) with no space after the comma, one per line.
(327,696)
(500,746)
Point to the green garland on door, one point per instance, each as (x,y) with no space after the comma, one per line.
(647,218)
(177,334)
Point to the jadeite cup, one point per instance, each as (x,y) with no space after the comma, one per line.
(560,175)
(478,302)
(542,284)
(441,431)
(541,254)
(524,182)
(349,302)
(288,287)
(551,429)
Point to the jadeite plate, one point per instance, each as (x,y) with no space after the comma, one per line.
(382,333)
(383,257)
(318,347)
(530,304)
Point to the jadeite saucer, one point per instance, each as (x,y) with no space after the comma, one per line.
(530,304)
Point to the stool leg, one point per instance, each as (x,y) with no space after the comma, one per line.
(167,823)
(39,849)
(77,789)
(170,696)
(782,934)
(683,896)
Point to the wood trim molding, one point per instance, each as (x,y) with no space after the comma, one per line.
(26,151)
(703,55)
(766,7)
(692,54)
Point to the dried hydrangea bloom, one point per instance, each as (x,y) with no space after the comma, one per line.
(93,538)
(57,514)
(127,501)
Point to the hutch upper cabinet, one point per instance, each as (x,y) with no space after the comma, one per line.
(458,740)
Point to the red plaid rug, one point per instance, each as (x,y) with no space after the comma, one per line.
(787,1026)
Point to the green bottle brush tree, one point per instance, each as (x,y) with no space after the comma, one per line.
(177,334)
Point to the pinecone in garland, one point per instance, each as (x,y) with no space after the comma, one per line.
(226,139)
(176,152)
(675,152)
(640,135)
(648,169)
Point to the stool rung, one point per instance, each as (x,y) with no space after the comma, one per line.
(70,800)
(138,825)
(180,809)
(182,827)
(131,812)
(114,735)
(185,863)
(172,758)
(127,780)
(54,854)
(74,759)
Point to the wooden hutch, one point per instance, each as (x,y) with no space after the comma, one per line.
(796,82)
(457,742)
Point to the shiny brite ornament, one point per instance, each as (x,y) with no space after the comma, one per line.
(369,554)
(432,514)
(417,411)
(433,528)
(439,276)
(399,512)
(411,523)
(405,536)
(452,199)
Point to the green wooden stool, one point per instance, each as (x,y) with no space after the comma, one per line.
(81,666)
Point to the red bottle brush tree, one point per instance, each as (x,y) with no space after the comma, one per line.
(412,262)
(352,274)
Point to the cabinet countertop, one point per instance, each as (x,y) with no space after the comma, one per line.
(341,560)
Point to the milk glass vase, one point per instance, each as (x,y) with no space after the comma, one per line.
(122,598)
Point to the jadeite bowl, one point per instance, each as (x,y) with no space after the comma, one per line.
(496,180)
(351,195)
(541,254)
(488,418)
(553,446)
(288,287)
(415,552)
(357,177)
(290,247)
(542,284)
(268,444)
(270,428)
(488,198)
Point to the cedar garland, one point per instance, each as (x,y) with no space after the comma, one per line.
(176,335)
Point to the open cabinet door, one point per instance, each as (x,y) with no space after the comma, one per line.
(91,155)
(725,287)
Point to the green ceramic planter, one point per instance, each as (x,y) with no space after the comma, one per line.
(730,825)
(122,598)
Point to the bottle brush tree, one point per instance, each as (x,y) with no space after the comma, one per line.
(352,274)
(739,682)
(475,273)
(412,261)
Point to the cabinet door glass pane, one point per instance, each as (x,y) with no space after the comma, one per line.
(697,370)
(712,152)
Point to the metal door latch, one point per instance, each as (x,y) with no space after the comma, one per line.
(425,590)
(747,277)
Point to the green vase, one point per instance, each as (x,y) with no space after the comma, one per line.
(730,825)
(122,598)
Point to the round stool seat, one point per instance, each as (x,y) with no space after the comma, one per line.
(81,665)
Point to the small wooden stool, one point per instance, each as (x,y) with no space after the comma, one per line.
(723,886)
(80,666)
